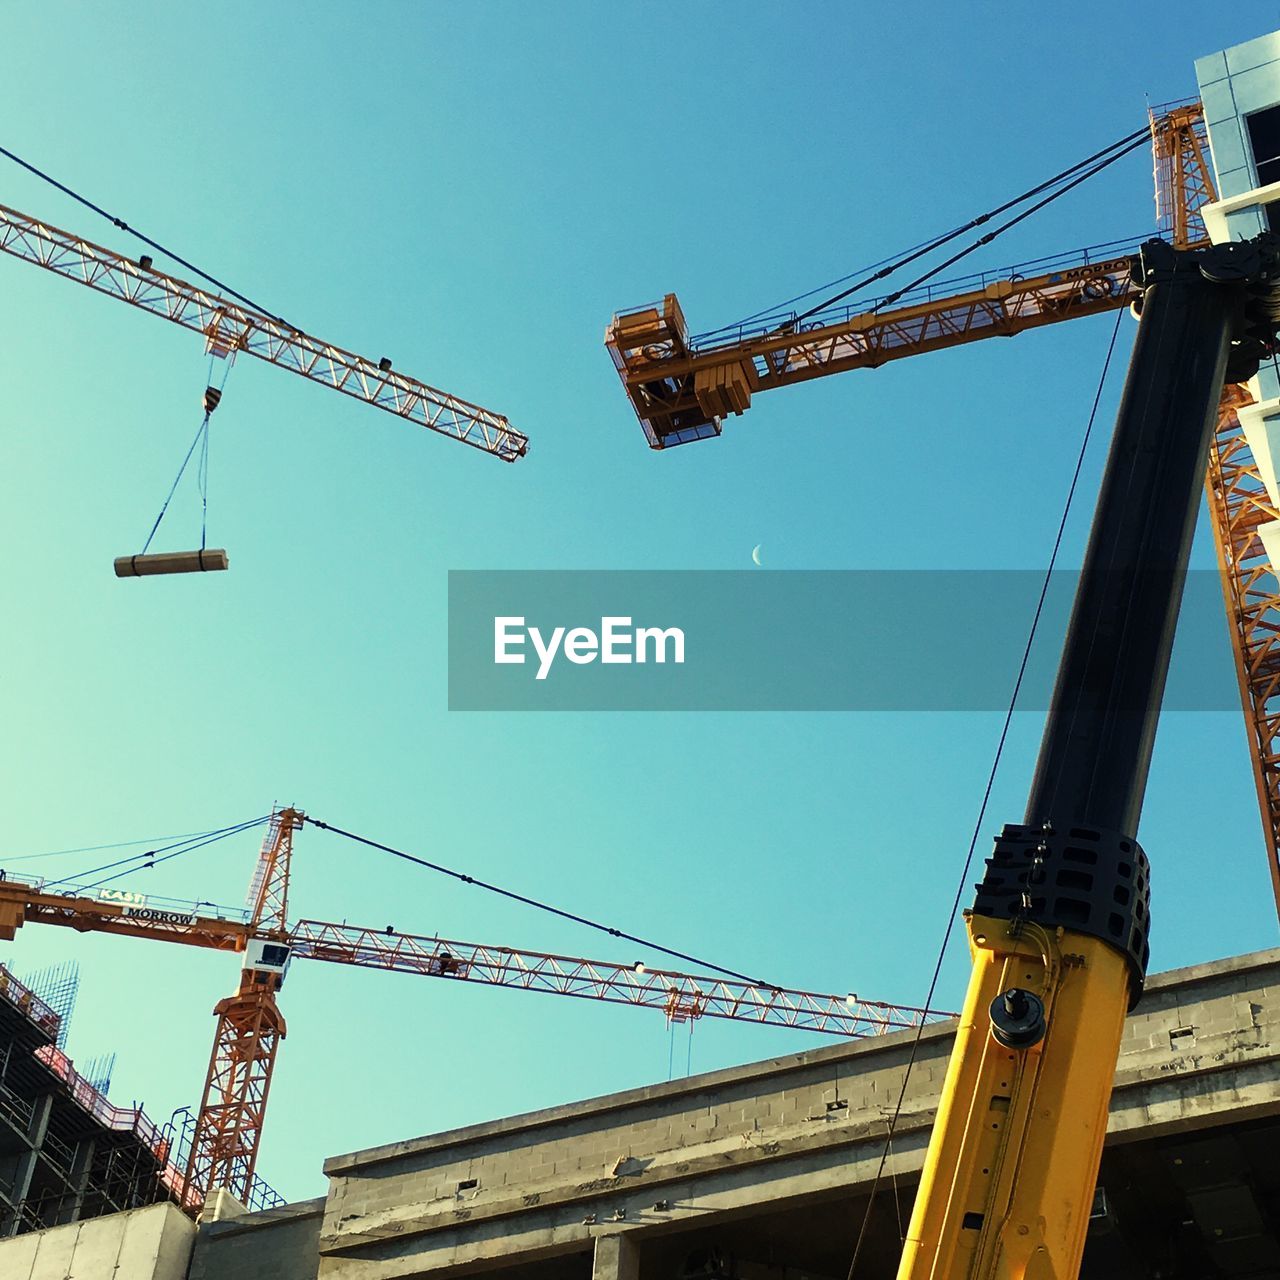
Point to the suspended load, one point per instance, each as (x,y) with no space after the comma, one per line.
(204,560)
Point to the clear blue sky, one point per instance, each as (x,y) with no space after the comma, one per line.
(473,190)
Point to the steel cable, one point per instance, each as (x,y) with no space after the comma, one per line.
(541,906)
(159,248)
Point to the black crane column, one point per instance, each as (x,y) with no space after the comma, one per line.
(1206,315)
(1097,743)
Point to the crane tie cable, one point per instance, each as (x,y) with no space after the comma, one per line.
(97,848)
(542,906)
(191,848)
(986,795)
(1103,159)
(159,248)
(1000,230)
(148,859)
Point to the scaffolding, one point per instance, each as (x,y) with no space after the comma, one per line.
(66,1152)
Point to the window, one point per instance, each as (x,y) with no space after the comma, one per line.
(1264,138)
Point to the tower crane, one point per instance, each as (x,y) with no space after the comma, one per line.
(250,1026)
(1058,931)
(682,387)
(230,327)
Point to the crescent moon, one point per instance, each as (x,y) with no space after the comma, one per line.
(755,554)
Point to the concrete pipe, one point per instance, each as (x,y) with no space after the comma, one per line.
(171,562)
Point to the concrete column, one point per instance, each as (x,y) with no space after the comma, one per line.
(616,1258)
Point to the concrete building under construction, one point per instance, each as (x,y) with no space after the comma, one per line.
(759,1171)
(65,1152)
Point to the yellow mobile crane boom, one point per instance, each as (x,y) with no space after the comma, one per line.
(1058,932)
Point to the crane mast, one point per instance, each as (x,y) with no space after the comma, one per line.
(1239,505)
(233,1106)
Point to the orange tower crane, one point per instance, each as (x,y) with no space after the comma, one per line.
(233,1106)
(683,388)
(250,1027)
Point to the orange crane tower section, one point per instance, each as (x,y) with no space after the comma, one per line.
(233,1106)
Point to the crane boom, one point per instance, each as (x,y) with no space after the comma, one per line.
(680,995)
(682,388)
(229,327)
